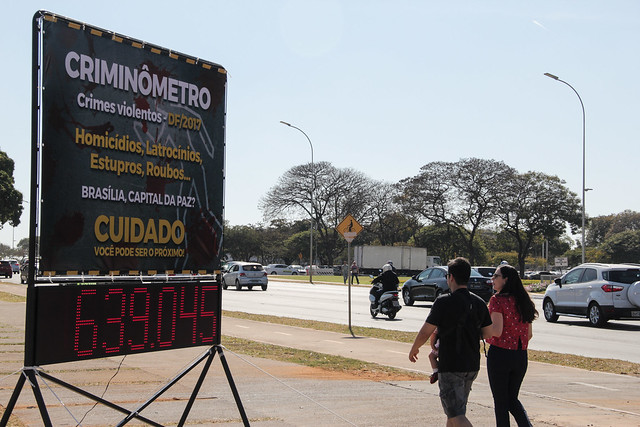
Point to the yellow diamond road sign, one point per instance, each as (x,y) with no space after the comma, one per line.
(349,228)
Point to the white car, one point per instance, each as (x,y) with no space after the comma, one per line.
(245,274)
(276,268)
(599,292)
(285,269)
(296,269)
(486,271)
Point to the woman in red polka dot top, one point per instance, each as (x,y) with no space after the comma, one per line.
(512,314)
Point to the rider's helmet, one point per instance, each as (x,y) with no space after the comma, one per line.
(386,267)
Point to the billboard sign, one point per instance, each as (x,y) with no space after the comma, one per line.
(132,155)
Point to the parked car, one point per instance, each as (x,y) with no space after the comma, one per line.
(245,274)
(432,282)
(537,275)
(294,270)
(5,269)
(599,292)
(484,270)
(276,269)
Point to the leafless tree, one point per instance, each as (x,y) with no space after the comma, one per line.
(461,194)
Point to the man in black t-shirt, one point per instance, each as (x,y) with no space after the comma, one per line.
(462,319)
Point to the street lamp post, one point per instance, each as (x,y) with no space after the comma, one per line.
(311,200)
(584,190)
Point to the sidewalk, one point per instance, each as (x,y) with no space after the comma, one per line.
(275,393)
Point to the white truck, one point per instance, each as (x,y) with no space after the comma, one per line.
(408,260)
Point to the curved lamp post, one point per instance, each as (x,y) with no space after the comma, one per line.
(584,190)
(311,198)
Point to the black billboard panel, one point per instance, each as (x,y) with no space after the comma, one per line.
(132,155)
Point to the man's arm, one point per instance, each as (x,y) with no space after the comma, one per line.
(422,337)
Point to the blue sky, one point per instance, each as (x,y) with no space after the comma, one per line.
(384,86)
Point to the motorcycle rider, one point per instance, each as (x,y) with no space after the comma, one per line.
(389,281)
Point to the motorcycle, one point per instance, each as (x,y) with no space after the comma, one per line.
(387,304)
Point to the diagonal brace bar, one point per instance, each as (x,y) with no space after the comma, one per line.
(96,398)
(134,413)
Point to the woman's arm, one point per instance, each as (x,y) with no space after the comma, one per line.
(495,329)
(530,331)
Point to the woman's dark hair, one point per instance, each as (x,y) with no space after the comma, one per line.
(513,286)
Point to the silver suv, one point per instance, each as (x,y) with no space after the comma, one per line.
(597,291)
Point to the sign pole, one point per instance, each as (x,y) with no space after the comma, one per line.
(349,278)
(349,228)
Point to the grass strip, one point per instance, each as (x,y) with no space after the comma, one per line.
(7,297)
(582,362)
(382,334)
(328,362)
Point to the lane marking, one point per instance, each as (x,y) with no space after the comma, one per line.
(396,352)
(595,386)
(242,326)
(335,342)
(282,333)
(576,402)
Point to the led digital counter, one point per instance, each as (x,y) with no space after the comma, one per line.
(80,322)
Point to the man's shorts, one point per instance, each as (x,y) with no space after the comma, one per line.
(454,391)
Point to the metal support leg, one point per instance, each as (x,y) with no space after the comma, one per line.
(232,384)
(12,401)
(196,389)
(38,395)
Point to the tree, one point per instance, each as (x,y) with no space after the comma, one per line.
(603,227)
(623,247)
(10,198)
(533,205)
(336,193)
(462,194)
(242,241)
(442,240)
(23,245)
(388,223)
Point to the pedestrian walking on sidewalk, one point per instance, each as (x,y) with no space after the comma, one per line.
(512,314)
(462,319)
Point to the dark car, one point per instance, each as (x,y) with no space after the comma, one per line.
(485,271)
(24,271)
(432,282)
(537,275)
(5,269)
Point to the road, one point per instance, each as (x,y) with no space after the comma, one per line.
(329,303)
